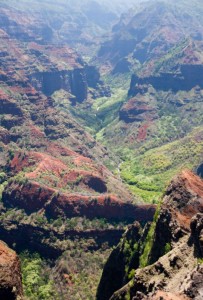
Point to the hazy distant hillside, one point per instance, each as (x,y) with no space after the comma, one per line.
(149,30)
(100,105)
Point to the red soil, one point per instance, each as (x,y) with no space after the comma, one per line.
(186,194)
(10,273)
(45,166)
(142,132)
(168,296)
(43,162)
(193,183)
(3,95)
(33,197)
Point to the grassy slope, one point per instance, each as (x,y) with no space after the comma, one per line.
(175,142)
(82,270)
(149,173)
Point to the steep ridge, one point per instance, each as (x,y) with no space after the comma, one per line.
(164,101)
(30,118)
(148,31)
(43,188)
(78,24)
(59,198)
(166,262)
(10,274)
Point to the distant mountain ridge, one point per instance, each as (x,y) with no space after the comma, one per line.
(92,125)
(160,44)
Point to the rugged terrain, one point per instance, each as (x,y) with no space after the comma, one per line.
(165,260)
(92,125)
(58,195)
(10,274)
(161,45)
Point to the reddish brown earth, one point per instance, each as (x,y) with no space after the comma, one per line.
(60,156)
(174,268)
(167,296)
(33,197)
(68,172)
(184,198)
(137,109)
(10,274)
(54,168)
(142,132)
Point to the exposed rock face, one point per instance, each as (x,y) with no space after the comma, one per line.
(50,242)
(183,200)
(197,233)
(138,109)
(33,197)
(146,91)
(27,43)
(74,82)
(200,170)
(174,272)
(192,286)
(168,81)
(10,274)
(117,266)
(138,36)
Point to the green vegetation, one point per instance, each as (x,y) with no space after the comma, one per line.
(148,174)
(3,177)
(144,258)
(200,260)
(19,178)
(60,224)
(36,281)
(104,110)
(131,274)
(3,183)
(84,270)
(75,275)
(168,60)
(127,296)
(128,252)
(167,248)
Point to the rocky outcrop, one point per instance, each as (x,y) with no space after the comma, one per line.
(138,109)
(77,81)
(10,274)
(182,201)
(137,37)
(200,170)
(197,233)
(33,197)
(173,276)
(51,242)
(173,247)
(72,81)
(115,272)
(187,78)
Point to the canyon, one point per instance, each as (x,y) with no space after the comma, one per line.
(169,268)
(100,107)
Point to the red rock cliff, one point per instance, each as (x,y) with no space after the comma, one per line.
(10,274)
